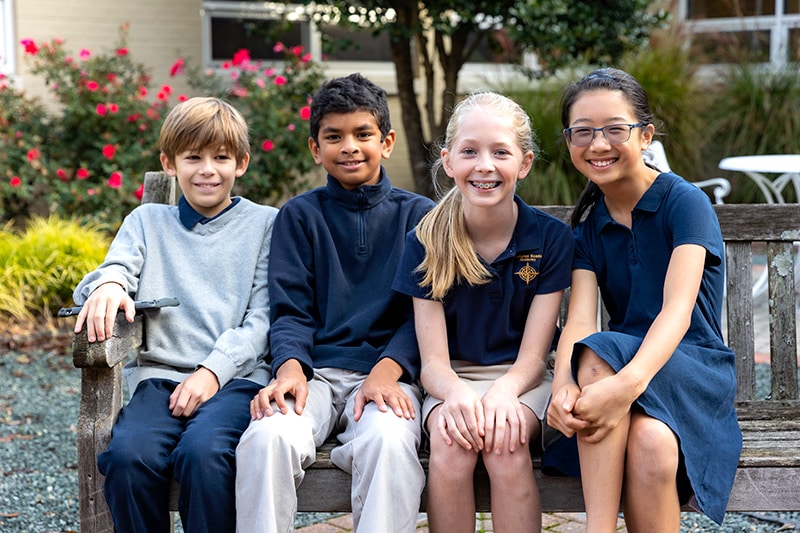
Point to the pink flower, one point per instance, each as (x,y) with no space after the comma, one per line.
(162,95)
(33,154)
(177,67)
(142,92)
(122,52)
(280,80)
(278,48)
(82,173)
(267,145)
(306,58)
(305,112)
(269,72)
(91,192)
(297,50)
(138,193)
(182,97)
(109,150)
(166,89)
(101,109)
(113,108)
(111,76)
(84,54)
(260,82)
(241,56)
(62,174)
(115,180)
(30,46)
(226,65)
(15,181)
(92,85)
(291,127)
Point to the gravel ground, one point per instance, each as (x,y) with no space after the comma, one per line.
(39,400)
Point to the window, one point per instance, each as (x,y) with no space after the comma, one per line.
(229,25)
(7,49)
(764,31)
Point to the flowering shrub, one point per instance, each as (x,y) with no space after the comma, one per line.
(88,159)
(275,101)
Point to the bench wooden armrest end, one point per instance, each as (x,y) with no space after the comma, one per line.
(126,340)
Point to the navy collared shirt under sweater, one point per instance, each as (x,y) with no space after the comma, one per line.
(333,258)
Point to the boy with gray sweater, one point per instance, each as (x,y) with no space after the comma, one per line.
(204,359)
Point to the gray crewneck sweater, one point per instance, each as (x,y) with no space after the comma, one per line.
(218,272)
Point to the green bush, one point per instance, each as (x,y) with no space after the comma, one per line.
(41,265)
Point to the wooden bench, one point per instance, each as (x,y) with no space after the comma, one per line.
(768,478)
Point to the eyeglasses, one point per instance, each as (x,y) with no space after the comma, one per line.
(613,133)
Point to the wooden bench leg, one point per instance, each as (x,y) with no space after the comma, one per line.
(101,400)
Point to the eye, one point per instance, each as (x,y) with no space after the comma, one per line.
(581,132)
(616,130)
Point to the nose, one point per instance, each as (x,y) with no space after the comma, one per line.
(600,137)
(206,165)
(349,145)
(485,163)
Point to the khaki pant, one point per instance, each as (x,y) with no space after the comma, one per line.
(380,451)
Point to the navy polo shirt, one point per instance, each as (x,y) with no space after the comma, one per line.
(631,263)
(485,322)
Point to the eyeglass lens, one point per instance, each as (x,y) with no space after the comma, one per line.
(614,134)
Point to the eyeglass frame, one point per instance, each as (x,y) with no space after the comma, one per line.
(568,132)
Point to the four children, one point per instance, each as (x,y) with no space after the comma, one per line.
(486,274)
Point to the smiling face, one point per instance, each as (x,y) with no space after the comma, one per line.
(601,161)
(350,148)
(485,158)
(206,177)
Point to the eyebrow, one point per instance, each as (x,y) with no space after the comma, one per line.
(363,127)
(609,120)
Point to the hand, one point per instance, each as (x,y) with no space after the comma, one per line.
(560,412)
(461,419)
(193,392)
(100,311)
(602,405)
(289,379)
(503,410)
(381,387)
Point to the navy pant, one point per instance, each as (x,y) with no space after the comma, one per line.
(148,446)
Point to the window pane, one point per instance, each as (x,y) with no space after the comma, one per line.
(496,47)
(792,6)
(708,9)
(794,44)
(257,35)
(731,47)
(344,44)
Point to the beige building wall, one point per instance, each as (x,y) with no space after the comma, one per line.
(159,32)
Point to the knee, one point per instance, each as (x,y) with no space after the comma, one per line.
(272,434)
(652,454)
(450,462)
(128,455)
(508,466)
(591,368)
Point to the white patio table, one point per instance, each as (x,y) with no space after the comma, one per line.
(757,167)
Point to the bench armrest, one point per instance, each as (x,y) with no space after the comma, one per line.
(126,339)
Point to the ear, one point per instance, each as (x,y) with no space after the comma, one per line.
(647,135)
(527,164)
(448,169)
(241,165)
(388,144)
(167,165)
(313,147)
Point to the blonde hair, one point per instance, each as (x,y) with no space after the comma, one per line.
(202,122)
(450,256)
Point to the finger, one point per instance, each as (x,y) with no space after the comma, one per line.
(566,401)
(441,425)
(129,306)
(358,406)
(300,397)
(280,401)
(523,426)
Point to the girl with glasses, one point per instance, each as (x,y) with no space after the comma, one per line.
(651,399)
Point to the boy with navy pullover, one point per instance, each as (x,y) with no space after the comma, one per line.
(204,359)
(344,352)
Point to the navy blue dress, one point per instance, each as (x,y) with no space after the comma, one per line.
(694,392)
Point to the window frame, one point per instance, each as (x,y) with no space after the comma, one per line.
(778,25)
(8,52)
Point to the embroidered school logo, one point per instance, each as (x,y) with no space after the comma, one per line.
(527,273)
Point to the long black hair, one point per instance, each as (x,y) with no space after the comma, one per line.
(609,79)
